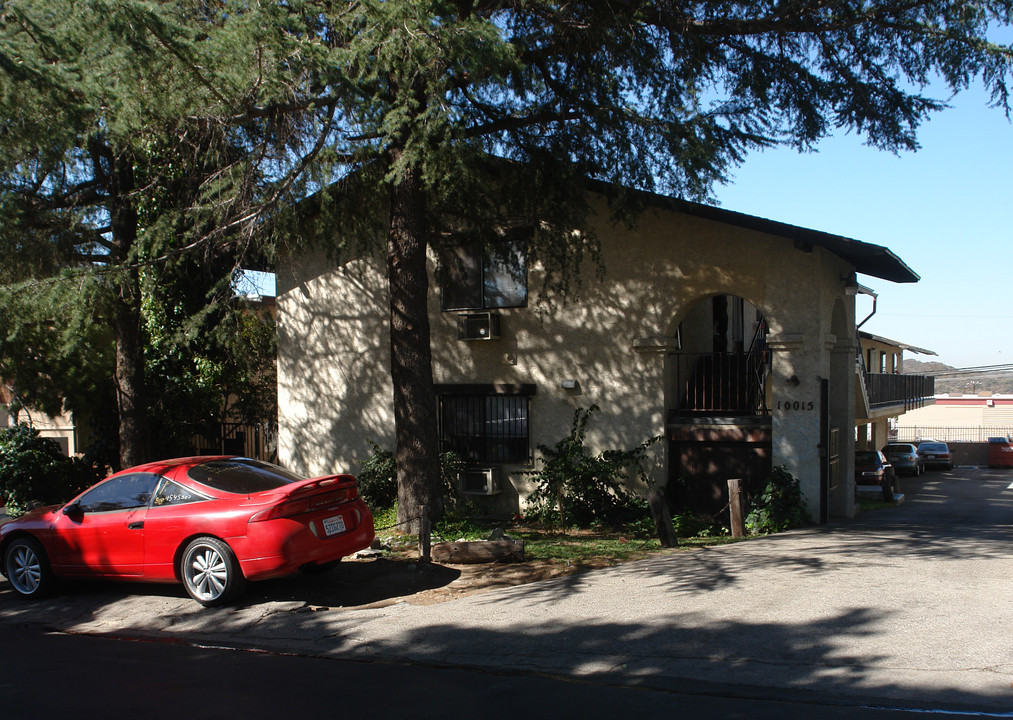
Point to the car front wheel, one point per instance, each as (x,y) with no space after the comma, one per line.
(27,568)
(210,572)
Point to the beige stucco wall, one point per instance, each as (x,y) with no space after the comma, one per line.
(334,391)
(334,388)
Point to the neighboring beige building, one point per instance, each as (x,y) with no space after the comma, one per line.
(732,336)
(959,418)
(60,429)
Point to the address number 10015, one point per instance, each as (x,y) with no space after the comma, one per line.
(795,405)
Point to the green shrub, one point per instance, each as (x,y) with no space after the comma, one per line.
(34,471)
(378,478)
(451,465)
(779,506)
(688,525)
(576,488)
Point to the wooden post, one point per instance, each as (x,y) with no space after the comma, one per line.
(425,541)
(662,517)
(735,507)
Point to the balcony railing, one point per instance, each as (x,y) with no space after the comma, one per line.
(720,383)
(911,391)
(733,384)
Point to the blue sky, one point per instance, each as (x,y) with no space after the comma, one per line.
(945,210)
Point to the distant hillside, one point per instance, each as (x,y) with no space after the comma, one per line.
(994,382)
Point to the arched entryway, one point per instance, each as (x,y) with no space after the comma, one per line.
(718,399)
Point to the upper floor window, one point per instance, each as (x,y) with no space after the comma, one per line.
(485,278)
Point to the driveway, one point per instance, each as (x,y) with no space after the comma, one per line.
(903,607)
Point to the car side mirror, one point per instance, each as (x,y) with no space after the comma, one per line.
(74,511)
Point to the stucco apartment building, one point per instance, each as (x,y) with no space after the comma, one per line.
(732,336)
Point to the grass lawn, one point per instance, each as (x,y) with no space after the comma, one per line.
(569,546)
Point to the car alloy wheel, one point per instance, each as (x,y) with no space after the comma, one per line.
(27,568)
(210,572)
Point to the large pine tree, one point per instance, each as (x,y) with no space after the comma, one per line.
(126,169)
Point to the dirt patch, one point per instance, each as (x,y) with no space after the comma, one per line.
(395,578)
(399,577)
(478,578)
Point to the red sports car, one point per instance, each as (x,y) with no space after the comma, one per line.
(211,523)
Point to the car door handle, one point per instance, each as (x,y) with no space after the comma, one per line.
(135,525)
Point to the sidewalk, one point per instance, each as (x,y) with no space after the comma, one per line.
(910,606)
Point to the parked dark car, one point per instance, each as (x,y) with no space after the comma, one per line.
(873,469)
(936,454)
(905,458)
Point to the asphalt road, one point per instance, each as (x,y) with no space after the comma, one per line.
(49,675)
(905,608)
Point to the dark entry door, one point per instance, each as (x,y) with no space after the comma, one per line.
(830,453)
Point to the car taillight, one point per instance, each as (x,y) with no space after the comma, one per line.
(283,510)
(291,508)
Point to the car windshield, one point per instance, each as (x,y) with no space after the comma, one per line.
(932,447)
(241,475)
(866,457)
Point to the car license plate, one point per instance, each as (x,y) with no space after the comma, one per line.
(930,457)
(334,525)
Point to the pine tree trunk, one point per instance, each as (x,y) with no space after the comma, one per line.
(416,439)
(131,402)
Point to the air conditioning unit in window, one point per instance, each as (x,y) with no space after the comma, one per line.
(479,481)
(478,326)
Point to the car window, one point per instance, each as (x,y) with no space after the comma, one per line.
(241,475)
(172,493)
(933,447)
(120,493)
(866,456)
(899,448)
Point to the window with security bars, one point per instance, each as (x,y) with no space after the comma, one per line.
(486,428)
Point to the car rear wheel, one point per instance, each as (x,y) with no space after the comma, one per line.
(27,568)
(210,572)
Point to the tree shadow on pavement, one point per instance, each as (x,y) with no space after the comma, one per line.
(793,613)
(355,584)
(349,585)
